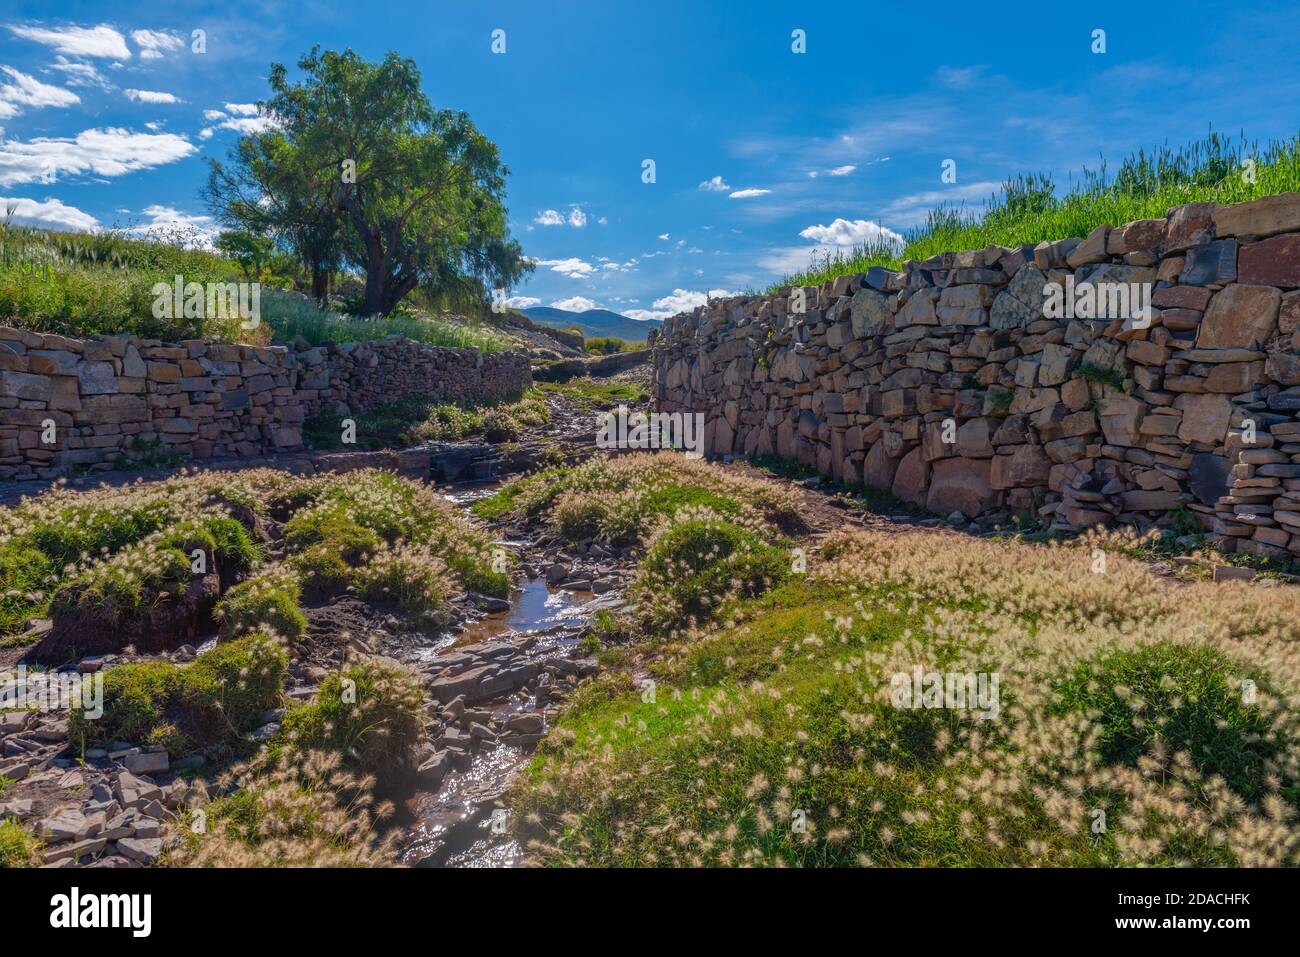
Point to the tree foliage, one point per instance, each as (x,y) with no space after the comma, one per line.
(356,167)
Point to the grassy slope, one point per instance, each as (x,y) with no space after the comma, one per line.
(1029,210)
(1117,695)
(78,284)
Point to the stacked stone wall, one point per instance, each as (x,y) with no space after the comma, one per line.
(68,404)
(957,384)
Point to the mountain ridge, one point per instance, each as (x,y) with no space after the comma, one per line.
(593,322)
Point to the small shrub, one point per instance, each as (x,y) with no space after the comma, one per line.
(369,713)
(409,576)
(697,563)
(202,706)
(268,600)
(17,847)
(500,426)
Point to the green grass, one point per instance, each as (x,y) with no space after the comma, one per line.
(81,285)
(268,600)
(17,847)
(611,345)
(1191,700)
(769,717)
(369,713)
(360,531)
(33,562)
(415,419)
(78,284)
(698,564)
(290,314)
(199,707)
(116,591)
(593,395)
(1097,375)
(1030,208)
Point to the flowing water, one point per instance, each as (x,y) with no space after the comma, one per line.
(461,823)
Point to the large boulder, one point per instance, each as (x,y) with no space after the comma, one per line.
(879,468)
(961,485)
(1239,317)
(912,477)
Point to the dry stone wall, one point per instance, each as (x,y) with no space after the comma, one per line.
(950,383)
(115,397)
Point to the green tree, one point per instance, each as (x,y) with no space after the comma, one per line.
(358,167)
(249,250)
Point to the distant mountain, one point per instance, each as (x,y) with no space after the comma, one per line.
(593,322)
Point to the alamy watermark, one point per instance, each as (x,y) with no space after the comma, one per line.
(213,300)
(651,430)
(1127,301)
(958,690)
(46,691)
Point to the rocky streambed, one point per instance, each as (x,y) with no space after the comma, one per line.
(496,676)
(494,691)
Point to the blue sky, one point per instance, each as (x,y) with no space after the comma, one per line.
(761,154)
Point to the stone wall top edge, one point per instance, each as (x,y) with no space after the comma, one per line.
(1256,219)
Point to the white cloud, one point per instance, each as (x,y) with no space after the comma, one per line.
(603,221)
(81,74)
(28,91)
(106,152)
(213,115)
(577,218)
(51,214)
(572,267)
(242,109)
(150,96)
(680,300)
(846,169)
(195,231)
(549,217)
(243,125)
(749,193)
(100,41)
(714,185)
(522,302)
(575,304)
(663,236)
(154,44)
(844,232)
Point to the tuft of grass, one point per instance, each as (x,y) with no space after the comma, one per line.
(18,848)
(200,707)
(1097,375)
(268,600)
(619,500)
(344,523)
(290,315)
(370,713)
(414,420)
(701,561)
(611,345)
(1187,698)
(296,810)
(594,395)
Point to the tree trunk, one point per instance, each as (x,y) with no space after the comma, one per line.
(320,283)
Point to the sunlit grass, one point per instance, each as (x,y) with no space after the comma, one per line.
(1031,209)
